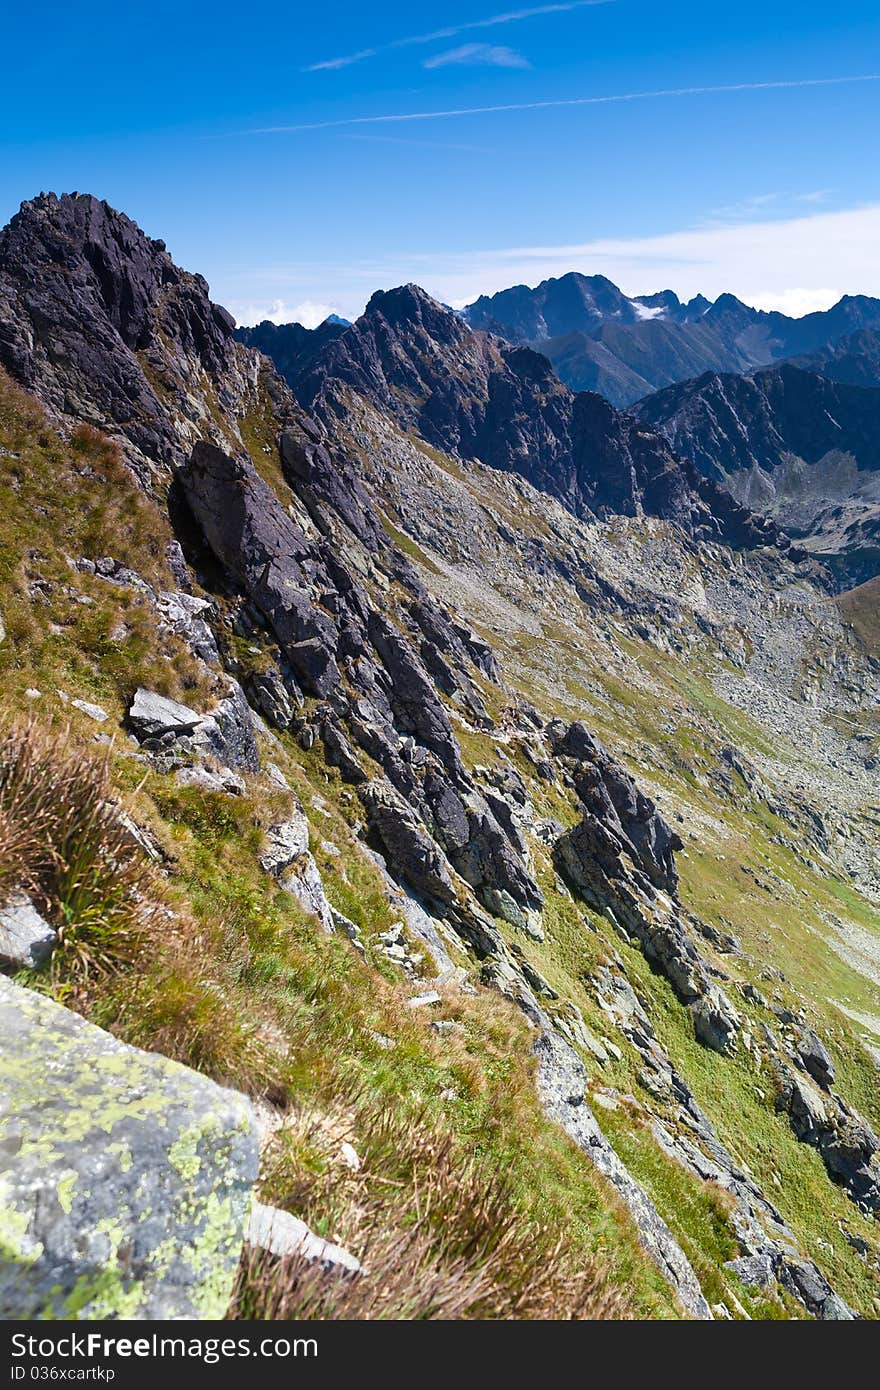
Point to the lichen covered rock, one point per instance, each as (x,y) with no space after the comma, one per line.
(125,1179)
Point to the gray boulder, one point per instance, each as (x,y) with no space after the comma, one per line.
(285,843)
(153,716)
(222,781)
(716,1024)
(125,1179)
(287,857)
(226,732)
(815,1057)
(26,939)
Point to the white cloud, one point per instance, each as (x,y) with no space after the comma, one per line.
(308,313)
(484,55)
(824,255)
(451,32)
(795,303)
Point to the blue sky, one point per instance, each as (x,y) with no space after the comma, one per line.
(296,156)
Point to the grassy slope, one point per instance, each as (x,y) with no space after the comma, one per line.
(237,981)
(245,988)
(861,607)
(779,924)
(667,724)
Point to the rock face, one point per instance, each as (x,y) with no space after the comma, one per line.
(471,394)
(394,714)
(126,1179)
(97,319)
(598,339)
(791,444)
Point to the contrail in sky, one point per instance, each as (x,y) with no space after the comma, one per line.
(567,101)
(509,17)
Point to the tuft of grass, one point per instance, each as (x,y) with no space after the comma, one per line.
(65,842)
(438,1233)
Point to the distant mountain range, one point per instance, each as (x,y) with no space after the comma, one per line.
(599,339)
(791,444)
(517,379)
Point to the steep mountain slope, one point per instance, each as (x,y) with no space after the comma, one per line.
(489,819)
(854,359)
(471,393)
(795,445)
(598,339)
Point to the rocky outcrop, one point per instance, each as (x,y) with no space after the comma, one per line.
(849,1147)
(395,714)
(125,1179)
(287,857)
(620,859)
(173,732)
(626,820)
(97,319)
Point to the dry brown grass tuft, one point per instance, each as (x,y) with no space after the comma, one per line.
(437,1231)
(85,439)
(65,842)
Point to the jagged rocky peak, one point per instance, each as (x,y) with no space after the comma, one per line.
(470,393)
(291,346)
(571,303)
(97,319)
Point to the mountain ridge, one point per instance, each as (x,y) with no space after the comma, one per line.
(795,444)
(603,343)
(563,771)
(472,393)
